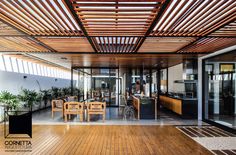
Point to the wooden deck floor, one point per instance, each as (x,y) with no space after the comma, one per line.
(75,139)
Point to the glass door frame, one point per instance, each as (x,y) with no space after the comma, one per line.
(116,78)
(205,103)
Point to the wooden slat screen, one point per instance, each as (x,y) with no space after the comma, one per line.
(194,18)
(116,44)
(208,45)
(161,44)
(117,26)
(40,17)
(21,44)
(116,18)
(7,30)
(228,30)
(67,44)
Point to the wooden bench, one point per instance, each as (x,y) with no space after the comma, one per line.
(96,108)
(57,106)
(76,108)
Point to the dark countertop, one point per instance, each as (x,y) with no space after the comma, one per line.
(180,98)
(144,100)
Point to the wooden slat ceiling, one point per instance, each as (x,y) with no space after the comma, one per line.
(22,44)
(67,44)
(227,31)
(119,60)
(116,18)
(194,18)
(170,44)
(116,44)
(117,26)
(208,45)
(40,17)
(7,30)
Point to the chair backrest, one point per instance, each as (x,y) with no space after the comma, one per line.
(96,106)
(96,93)
(136,102)
(123,100)
(73,106)
(72,98)
(57,103)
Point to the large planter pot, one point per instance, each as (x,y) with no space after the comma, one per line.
(20,123)
(1,113)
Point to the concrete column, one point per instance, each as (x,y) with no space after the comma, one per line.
(199,89)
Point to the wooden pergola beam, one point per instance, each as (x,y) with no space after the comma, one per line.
(71,8)
(159,14)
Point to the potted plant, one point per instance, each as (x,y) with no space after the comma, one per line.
(9,101)
(46,96)
(66,91)
(39,100)
(30,97)
(55,92)
(16,118)
(77,93)
(60,93)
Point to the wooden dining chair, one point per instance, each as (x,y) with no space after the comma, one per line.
(76,108)
(57,106)
(96,108)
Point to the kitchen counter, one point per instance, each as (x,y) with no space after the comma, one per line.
(145,107)
(185,107)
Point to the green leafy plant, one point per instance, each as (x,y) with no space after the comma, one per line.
(46,96)
(66,91)
(11,101)
(77,92)
(30,97)
(55,92)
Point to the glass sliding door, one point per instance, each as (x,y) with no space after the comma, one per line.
(87,84)
(105,85)
(115,87)
(219,89)
(164,81)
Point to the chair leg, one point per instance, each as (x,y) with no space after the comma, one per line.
(65,117)
(124,113)
(88,117)
(69,116)
(52,115)
(104,115)
(81,117)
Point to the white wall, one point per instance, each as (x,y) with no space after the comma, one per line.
(13,82)
(175,73)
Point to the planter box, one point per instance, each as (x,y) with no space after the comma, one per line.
(20,123)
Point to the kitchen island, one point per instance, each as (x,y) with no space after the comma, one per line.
(184,107)
(145,107)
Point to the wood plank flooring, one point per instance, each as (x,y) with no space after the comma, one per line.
(109,140)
